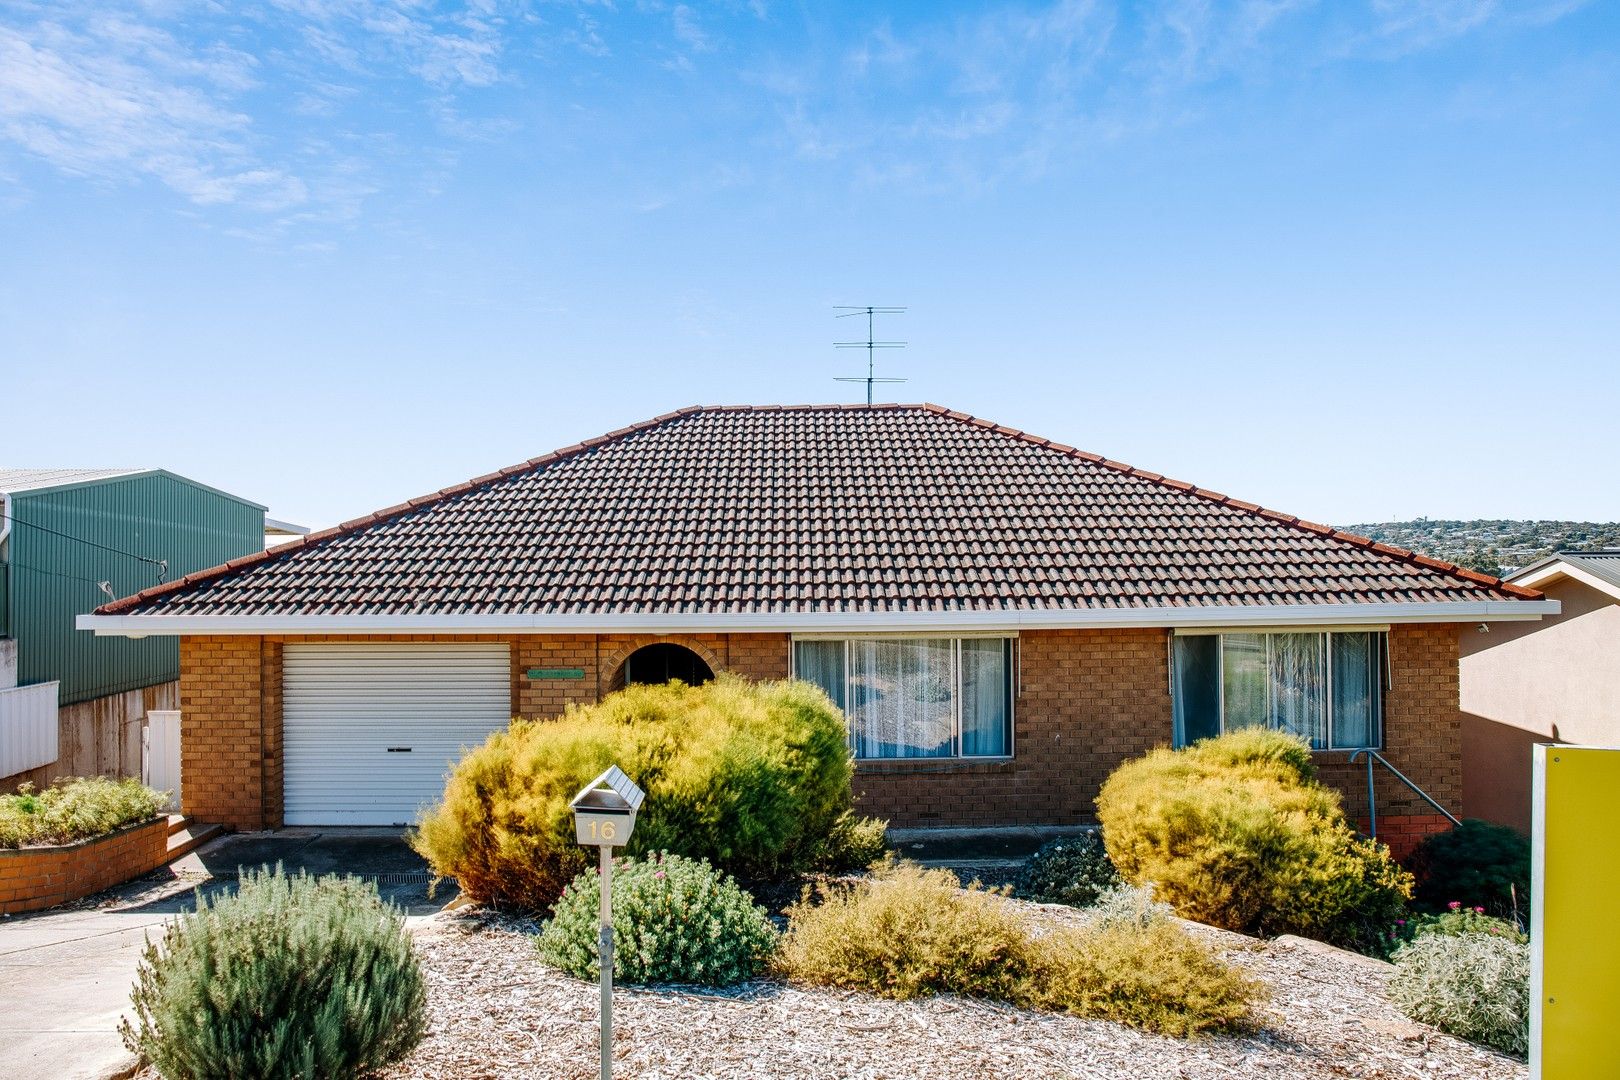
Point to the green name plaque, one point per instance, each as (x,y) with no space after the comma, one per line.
(556,673)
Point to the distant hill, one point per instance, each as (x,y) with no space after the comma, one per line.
(1491,547)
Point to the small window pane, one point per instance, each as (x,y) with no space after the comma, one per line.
(901,698)
(822,663)
(1197,701)
(986,696)
(1356,691)
(1243,665)
(1298,687)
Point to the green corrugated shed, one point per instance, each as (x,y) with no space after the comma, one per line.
(70,529)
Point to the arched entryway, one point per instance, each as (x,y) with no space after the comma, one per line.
(665,662)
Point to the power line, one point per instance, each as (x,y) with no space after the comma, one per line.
(161,564)
(104,586)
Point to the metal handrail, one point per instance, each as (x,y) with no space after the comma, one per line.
(1372,798)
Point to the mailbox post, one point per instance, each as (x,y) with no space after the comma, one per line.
(604,816)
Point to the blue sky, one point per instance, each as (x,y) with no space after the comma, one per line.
(1354,260)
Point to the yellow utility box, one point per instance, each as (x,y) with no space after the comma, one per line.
(1574,949)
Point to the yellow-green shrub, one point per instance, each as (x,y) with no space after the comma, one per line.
(751,776)
(1154,976)
(1236,832)
(906,932)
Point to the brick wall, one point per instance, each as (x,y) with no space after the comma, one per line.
(230,702)
(222,741)
(1087,700)
(1422,732)
(35,878)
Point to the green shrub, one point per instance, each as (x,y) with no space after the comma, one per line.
(1475,986)
(75,809)
(1461,920)
(675,920)
(854,843)
(750,776)
(287,977)
(1477,864)
(1236,832)
(906,932)
(1073,870)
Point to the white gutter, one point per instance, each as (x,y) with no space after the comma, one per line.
(824,622)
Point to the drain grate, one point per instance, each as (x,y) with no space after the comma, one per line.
(398,877)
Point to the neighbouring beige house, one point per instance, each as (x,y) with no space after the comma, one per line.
(1557,680)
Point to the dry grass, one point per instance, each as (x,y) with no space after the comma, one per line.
(907,932)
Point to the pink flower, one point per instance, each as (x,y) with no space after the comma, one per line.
(1455,905)
(1479,911)
(659,875)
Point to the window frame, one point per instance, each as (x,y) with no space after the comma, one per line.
(1380,666)
(1014,656)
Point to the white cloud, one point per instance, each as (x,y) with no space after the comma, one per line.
(113,102)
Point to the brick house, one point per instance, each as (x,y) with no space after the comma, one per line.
(1003,619)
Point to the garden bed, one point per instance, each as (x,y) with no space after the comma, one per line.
(494,1010)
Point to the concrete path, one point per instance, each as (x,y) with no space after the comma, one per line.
(66,974)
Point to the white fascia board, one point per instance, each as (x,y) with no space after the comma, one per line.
(823,622)
(1536,578)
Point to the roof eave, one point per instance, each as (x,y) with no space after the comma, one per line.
(1550,569)
(866,622)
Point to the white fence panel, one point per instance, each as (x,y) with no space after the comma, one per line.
(160,753)
(27,727)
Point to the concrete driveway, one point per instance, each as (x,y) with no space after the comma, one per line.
(66,974)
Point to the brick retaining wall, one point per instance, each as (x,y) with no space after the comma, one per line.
(42,877)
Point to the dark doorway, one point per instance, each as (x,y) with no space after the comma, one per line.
(664,663)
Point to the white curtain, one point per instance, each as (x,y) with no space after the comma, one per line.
(1298,687)
(986,693)
(1356,690)
(901,697)
(822,663)
(1243,670)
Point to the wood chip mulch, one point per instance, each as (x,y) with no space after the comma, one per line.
(496,1011)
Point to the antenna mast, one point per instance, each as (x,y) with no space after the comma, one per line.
(871,344)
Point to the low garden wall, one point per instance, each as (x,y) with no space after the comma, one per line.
(41,877)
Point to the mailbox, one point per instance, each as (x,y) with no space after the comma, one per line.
(605,809)
(604,817)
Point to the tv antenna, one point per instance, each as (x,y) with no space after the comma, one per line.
(871,344)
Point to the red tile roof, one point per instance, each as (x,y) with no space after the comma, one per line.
(810,509)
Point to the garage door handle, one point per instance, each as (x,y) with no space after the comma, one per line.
(399,749)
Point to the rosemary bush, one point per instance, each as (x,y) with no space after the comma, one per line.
(288,977)
(675,920)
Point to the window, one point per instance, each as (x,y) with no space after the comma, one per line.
(917,697)
(1325,687)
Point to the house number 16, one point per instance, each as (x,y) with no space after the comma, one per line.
(604,830)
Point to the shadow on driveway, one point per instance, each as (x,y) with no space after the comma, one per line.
(66,974)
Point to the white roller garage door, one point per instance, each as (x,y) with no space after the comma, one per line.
(369,729)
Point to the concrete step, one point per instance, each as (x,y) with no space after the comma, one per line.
(177,822)
(190,837)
